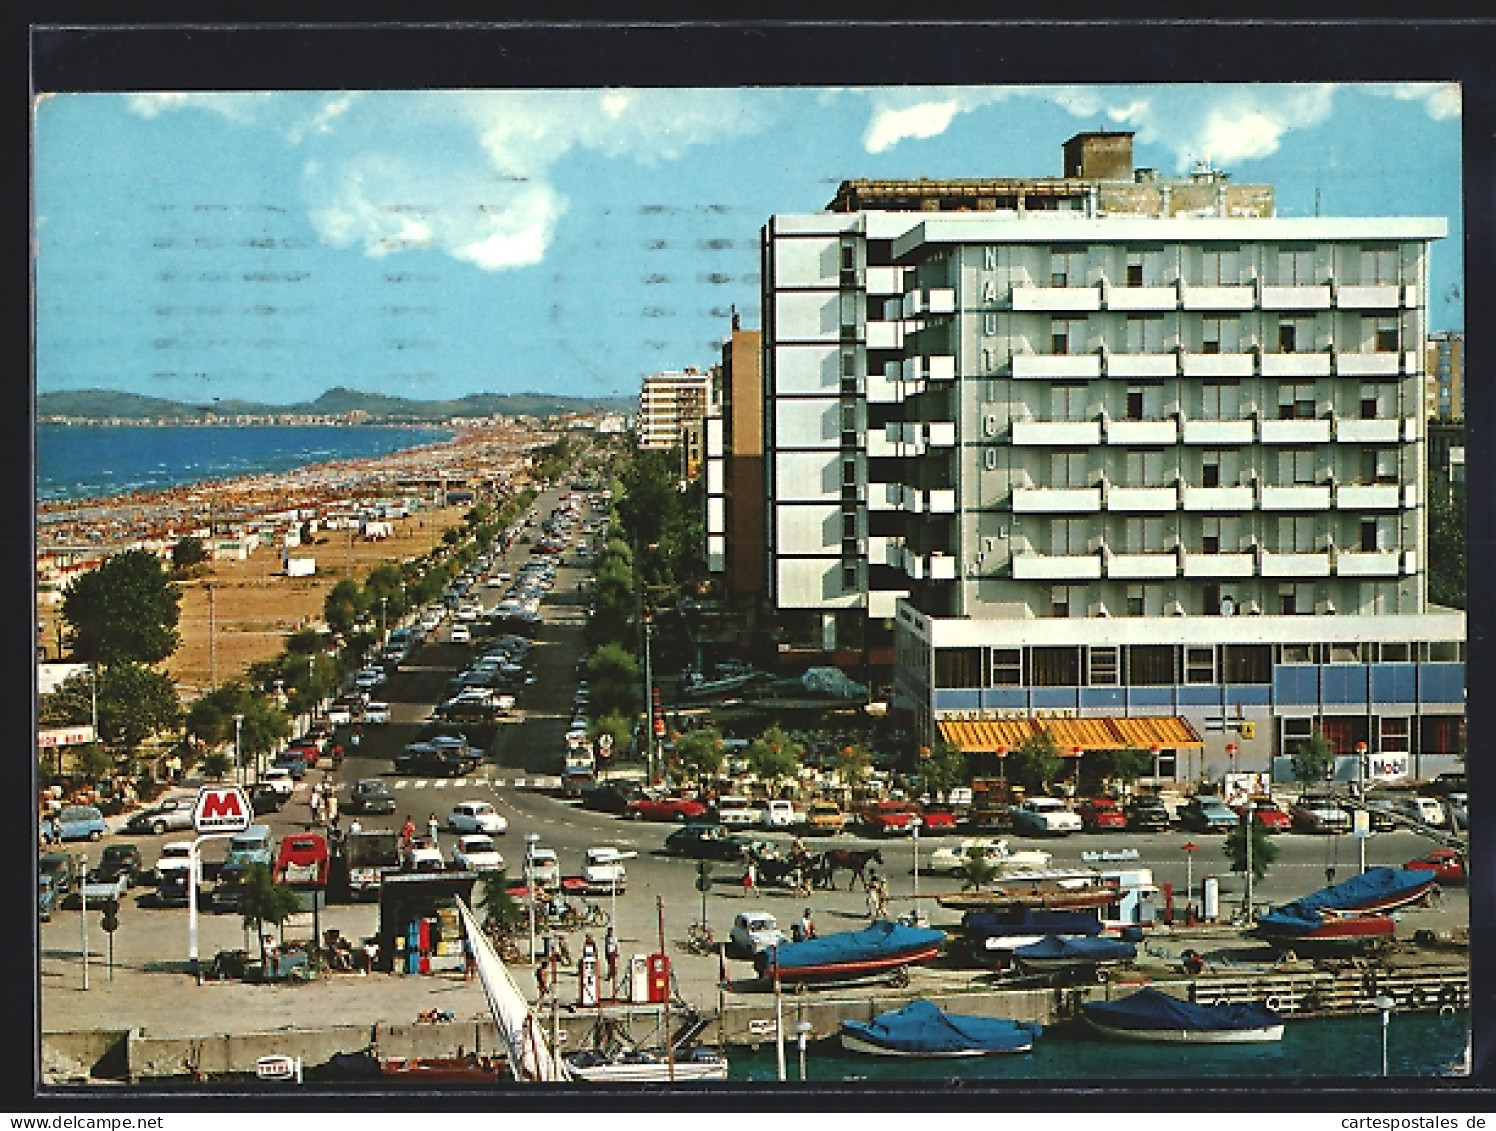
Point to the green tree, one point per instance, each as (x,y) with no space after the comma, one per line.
(1100,767)
(499,910)
(978,869)
(216,765)
(125,610)
(1035,764)
(71,703)
(700,754)
(773,756)
(188,553)
(614,681)
(944,769)
(1312,759)
(136,702)
(343,605)
(620,728)
(262,900)
(853,763)
(1446,542)
(1264,850)
(387,583)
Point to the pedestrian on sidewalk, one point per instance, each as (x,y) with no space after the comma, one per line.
(407,833)
(610,952)
(432,828)
(750,879)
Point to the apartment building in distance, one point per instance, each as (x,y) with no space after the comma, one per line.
(1124,457)
(672,406)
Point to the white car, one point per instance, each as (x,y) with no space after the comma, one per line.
(753,931)
(461,634)
(1045,816)
(279,780)
(476,817)
(603,867)
(545,867)
(424,856)
(367,678)
(172,864)
(951,858)
(376,713)
(476,853)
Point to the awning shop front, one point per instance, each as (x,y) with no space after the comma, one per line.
(1001,736)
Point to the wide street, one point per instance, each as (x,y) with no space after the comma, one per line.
(152,987)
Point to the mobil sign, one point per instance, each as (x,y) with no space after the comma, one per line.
(221,810)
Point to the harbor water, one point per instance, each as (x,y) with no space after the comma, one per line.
(1423,1045)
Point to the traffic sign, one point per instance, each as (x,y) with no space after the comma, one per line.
(221,810)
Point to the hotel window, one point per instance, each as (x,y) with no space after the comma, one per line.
(848,311)
(1443,651)
(958,667)
(1210,599)
(1210,468)
(1296,267)
(1295,600)
(1054,667)
(1385,334)
(1069,468)
(849,526)
(1134,269)
(1295,732)
(1379,534)
(849,472)
(849,258)
(1371,401)
(1067,536)
(1220,400)
(1296,401)
(1396,653)
(1347,652)
(1146,334)
(1105,666)
(1067,336)
(1199,665)
(1064,598)
(1296,534)
(851,582)
(1145,468)
(848,363)
(1210,335)
(1210,537)
(1296,467)
(1379,265)
(1220,267)
(1137,601)
(1386,465)
(1247,663)
(1151,665)
(1067,268)
(1394,737)
(1007,667)
(1144,536)
(1067,401)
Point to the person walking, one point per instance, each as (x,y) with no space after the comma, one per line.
(807,925)
(750,878)
(432,828)
(407,833)
(610,952)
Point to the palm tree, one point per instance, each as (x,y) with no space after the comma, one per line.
(500,910)
(262,901)
(978,869)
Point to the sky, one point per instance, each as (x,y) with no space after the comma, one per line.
(433,244)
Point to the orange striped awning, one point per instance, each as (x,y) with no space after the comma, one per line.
(1101,733)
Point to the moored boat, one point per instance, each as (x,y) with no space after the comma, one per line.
(1065,953)
(1151,1015)
(471,1068)
(1377,889)
(640,1066)
(923,1030)
(881,948)
(1007,928)
(1324,932)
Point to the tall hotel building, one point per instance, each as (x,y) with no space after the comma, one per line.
(1125,457)
(672,407)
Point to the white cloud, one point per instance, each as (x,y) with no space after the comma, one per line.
(1129,113)
(238,106)
(1441,100)
(889,127)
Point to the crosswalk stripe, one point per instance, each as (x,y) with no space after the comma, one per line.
(422,784)
(441,783)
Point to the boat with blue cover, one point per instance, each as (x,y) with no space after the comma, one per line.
(1151,1015)
(1347,916)
(922,1029)
(1066,953)
(988,932)
(883,947)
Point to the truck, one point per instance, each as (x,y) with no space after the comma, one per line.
(368,855)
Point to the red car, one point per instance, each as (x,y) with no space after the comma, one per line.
(1269,814)
(934,821)
(664,809)
(303,860)
(1446,864)
(1101,813)
(888,818)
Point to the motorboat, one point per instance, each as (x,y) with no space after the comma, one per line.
(1007,928)
(641,1066)
(923,1030)
(1348,916)
(1151,1015)
(1073,954)
(880,948)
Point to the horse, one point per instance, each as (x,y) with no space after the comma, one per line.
(780,873)
(855,860)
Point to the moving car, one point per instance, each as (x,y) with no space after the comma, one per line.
(949,859)
(706,842)
(461,634)
(1319,813)
(172,814)
(935,820)
(1099,813)
(293,761)
(475,852)
(545,867)
(1044,816)
(255,845)
(664,809)
(753,931)
(424,856)
(888,818)
(376,712)
(1424,810)
(85,822)
(279,779)
(1208,815)
(824,818)
(57,867)
(118,860)
(603,868)
(1268,813)
(1148,814)
(370,795)
(610,798)
(303,860)
(476,817)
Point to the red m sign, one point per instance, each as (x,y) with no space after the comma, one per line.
(221,810)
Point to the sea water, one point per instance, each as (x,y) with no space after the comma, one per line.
(1313,1049)
(94,461)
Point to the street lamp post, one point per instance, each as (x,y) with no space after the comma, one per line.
(1231,749)
(1189,871)
(802,1031)
(238,749)
(83,914)
(914,827)
(1361,797)
(1385,1004)
(531,839)
(1246,907)
(383,603)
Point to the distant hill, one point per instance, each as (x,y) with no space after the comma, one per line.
(102,404)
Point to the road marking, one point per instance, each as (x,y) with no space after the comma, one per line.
(422,784)
(440,784)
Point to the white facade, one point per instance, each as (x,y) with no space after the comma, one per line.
(667,403)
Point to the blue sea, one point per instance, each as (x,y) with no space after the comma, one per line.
(97,461)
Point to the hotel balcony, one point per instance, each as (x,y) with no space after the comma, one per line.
(936,300)
(1219,364)
(1295,431)
(1220,433)
(1293,364)
(1057,433)
(884,496)
(1372,497)
(1238,499)
(1382,430)
(1349,563)
(1410,561)
(1056,500)
(1141,365)
(1142,433)
(940,500)
(1295,565)
(1142,498)
(1048,366)
(882,604)
(1410,428)
(1367,364)
(885,280)
(1219,298)
(883,390)
(938,367)
(940,567)
(885,551)
(1296,298)
(1142,298)
(1298,498)
(1057,567)
(911,500)
(940,434)
(1063,299)
(1377,297)
(880,446)
(1220,565)
(885,335)
(1134,566)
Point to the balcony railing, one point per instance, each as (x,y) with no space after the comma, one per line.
(1056,500)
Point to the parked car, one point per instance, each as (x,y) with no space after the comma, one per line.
(376,712)
(58,867)
(174,814)
(610,797)
(303,859)
(172,871)
(424,856)
(1458,804)
(1447,865)
(84,822)
(952,858)
(1267,813)
(293,761)
(1424,810)
(1148,814)
(370,795)
(824,818)
(1044,816)
(664,809)
(1381,812)
(1208,815)
(936,820)
(118,860)
(545,867)
(475,852)
(476,817)
(46,898)
(887,818)
(604,868)
(255,845)
(753,931)
(460,634)
(706,842)
(1319,813)
(279,779)
(1098,813)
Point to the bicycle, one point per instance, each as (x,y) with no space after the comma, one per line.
(699,939)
